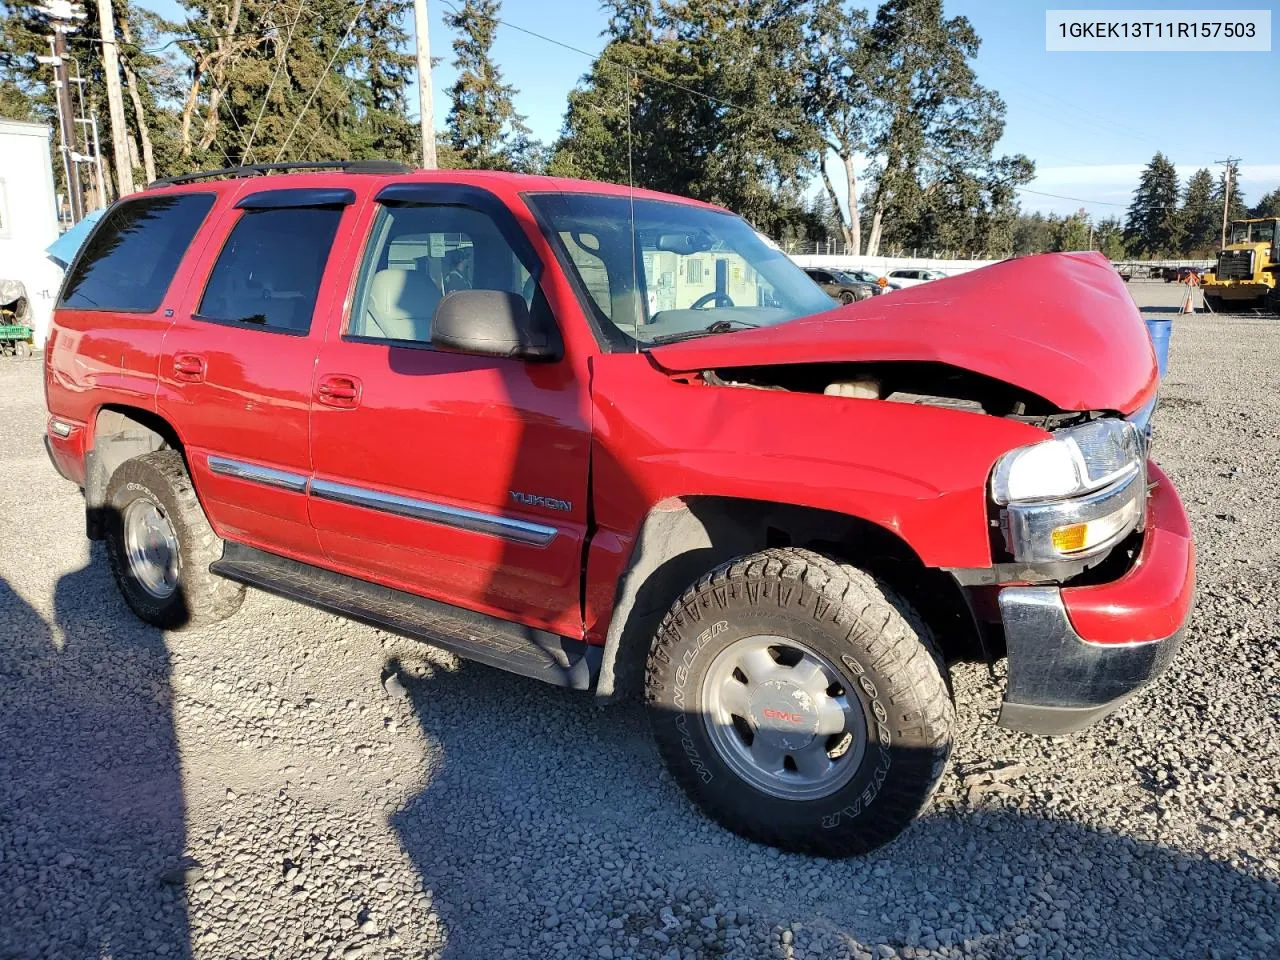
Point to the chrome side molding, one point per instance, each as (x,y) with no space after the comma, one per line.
(520,531)
(254,473)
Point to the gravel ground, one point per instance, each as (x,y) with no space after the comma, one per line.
(255,790)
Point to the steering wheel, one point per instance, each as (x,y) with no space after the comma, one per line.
(716,297)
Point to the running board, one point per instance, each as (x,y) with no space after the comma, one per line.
(509,646)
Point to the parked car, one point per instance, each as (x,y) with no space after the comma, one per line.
(439,403)
(866,276)
(839,286)
(912,277)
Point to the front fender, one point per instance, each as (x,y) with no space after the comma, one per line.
(920,472)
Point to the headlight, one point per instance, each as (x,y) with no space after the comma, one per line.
(1072,496)
(1075,461)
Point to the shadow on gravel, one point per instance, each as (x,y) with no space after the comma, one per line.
(91,801)
(548,817)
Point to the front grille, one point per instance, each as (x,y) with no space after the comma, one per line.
(1235,265)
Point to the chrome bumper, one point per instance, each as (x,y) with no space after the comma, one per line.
(1058,682)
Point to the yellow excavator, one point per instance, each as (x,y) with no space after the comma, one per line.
(1248,268)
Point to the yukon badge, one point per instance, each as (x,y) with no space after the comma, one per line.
(533,500)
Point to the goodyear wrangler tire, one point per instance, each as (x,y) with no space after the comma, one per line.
(159,545)
(800,703)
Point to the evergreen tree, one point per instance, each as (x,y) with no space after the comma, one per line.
(1152,227)
(712,90)
(1073,233)
(1109,238)
(484,128)
(1032,233)
(26,86)
(147,80)
(1201,217)
(1268,206)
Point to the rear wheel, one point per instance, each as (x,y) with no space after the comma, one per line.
(159,545)
(800,703)
(847,297)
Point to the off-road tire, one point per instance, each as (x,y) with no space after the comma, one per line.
(201,597)
(886,655)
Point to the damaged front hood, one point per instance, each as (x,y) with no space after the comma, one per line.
(1061,326)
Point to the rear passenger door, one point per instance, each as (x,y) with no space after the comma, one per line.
(236,367)
(461,478)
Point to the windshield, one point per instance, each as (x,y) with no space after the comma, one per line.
(691,271)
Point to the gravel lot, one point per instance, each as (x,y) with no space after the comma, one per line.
(254,790)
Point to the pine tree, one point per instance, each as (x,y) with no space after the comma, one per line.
(380,70)
(1109,238)
(1268,206)
(1201,217)
(270,81)
(484,128)
(1152,227)
(1073,232)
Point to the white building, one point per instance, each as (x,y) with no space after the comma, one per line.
(28,216)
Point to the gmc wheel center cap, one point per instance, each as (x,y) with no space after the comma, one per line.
(784,713)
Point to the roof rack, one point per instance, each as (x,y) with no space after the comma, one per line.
(262,169)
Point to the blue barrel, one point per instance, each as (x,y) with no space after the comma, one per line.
(1160,331)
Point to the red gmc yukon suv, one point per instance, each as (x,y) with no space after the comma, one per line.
(615,440)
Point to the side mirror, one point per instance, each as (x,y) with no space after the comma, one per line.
(491,323)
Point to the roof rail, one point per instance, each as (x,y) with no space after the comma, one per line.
(262,169)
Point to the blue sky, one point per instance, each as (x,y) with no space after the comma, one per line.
(1090,121)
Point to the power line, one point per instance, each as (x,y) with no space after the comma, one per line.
(274,77)
(323,76)
(1058,196)
(594,57)
(1088,117)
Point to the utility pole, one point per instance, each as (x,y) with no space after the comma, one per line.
(115,102)
(426,112)
(1230,164)
(62,15)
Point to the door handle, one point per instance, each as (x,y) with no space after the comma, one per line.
(338,390)
(189,367)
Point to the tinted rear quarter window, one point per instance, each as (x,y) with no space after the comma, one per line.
(130,259)
(268,272)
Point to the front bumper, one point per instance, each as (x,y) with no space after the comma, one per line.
(1077,653)
(1236,289)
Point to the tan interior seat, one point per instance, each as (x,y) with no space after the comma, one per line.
(401,305)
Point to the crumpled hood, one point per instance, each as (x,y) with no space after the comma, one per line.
(1059,325)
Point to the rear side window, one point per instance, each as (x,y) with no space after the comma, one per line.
(268,273)
(129,261)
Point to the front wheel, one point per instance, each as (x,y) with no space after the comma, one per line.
(159,545)
(800,703)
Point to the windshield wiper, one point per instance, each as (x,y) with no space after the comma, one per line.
(716,326)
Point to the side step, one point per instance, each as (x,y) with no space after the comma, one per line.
(544,656)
